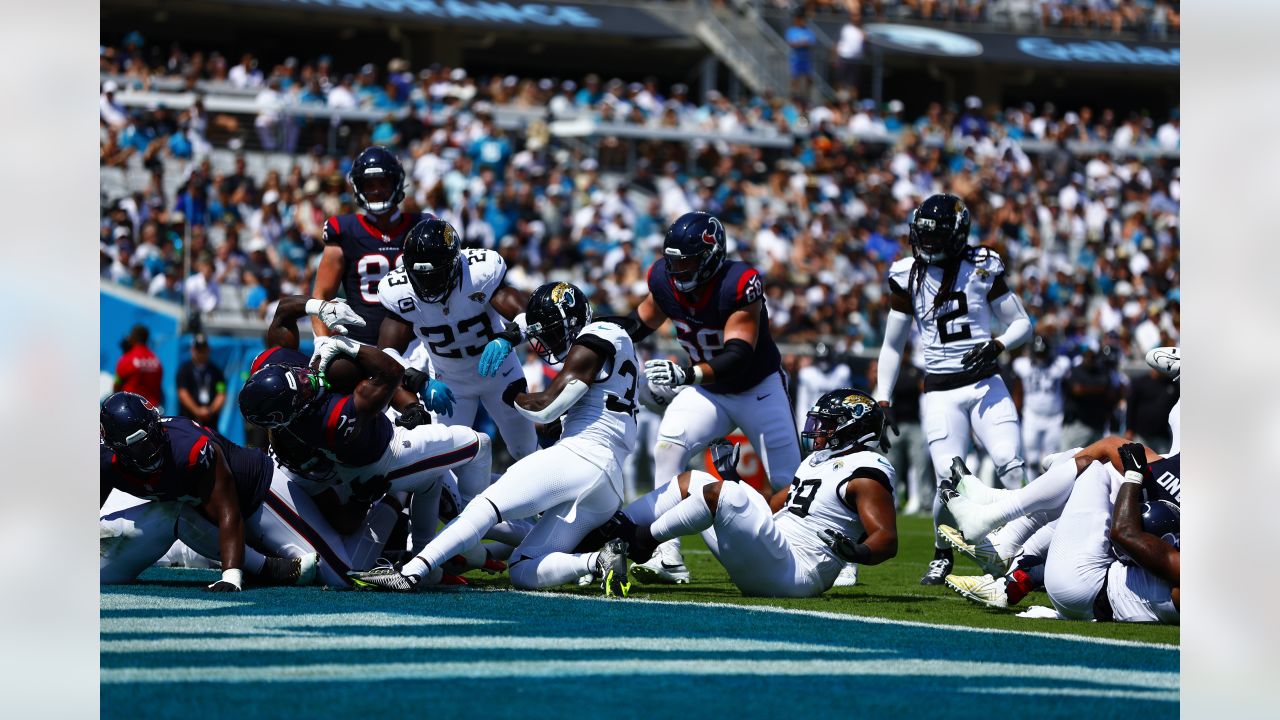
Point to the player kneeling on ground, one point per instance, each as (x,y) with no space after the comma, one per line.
(839,510)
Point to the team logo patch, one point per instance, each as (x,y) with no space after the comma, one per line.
(450,235)
(406,443)
(858,404)
(562,293)
(406,304)
(477,297)
(982,273)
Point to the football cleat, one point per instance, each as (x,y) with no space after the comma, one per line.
(666,567)
(973,519)
(848,576)
(981,552)
(1167,360)
(982,589)
(386,578)
(939,568)
(453,580)
(611,566)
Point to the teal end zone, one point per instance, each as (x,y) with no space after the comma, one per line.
(170,650)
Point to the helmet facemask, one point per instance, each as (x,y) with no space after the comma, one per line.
(378,190)
(143,449)
(304,384)
(433,281)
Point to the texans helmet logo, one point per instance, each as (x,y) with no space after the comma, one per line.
(709,235)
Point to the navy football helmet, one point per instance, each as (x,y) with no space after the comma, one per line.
(277,394)
(377,180)
(844,417)
(693,249)
(297,456)
(556,313)
(1161,517)
(939,229)
(433,259)
(130,428)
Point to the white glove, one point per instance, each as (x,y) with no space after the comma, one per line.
(665,372)
(335,314)
(329,348)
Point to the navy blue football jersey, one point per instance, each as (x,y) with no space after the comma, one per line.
(700,318)
(189,462)
(333,426)
(367,256)
(279,356)
(1165,482)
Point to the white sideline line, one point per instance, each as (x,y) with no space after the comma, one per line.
(719,667)
(1158,695)
(859,618)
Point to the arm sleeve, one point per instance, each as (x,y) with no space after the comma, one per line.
(572,393)
(1010,311)
(332,235)
(896,331)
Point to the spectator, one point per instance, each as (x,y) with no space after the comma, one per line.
(1092,395)
(849,54)
(109,110)
(801,39)
(139,370)
(203,291)
(202,388)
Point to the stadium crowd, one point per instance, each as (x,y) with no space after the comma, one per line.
(1091,240)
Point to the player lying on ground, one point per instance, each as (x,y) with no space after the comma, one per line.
(952,292)
(1129,574)
(200,485)
(839,510)
(577,483)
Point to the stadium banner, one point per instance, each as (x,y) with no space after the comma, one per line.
(621,19)
(1065,53)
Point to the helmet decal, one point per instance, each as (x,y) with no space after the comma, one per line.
(562,293)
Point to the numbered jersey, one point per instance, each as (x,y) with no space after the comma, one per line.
(367,256)
(456,329)
(699,318)
(188,464)
(1165,481)
(333,427)
(817,502)
(1041,384)
(963,320)
(601,426)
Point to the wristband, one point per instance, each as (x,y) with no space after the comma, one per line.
(693,374)
(313,306)
(233,576)
(1132,476)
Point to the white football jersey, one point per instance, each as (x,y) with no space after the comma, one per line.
(812,382)
(1041,384)
(456,329)
(816,502)
(1136,595)
(601,426)
(963,322)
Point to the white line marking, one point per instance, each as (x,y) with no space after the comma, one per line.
(307,642)
(1158,695)
(536,668)
(277,624)
(856,618)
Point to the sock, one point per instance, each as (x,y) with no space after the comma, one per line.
(474,476)
(552,569)
(510,532)
(941,516)
(1022,581)
(466,530)
(1038,544)
(652,505)
(424,516)
(366,544)
(691,515)
(943,554)
(1009,539)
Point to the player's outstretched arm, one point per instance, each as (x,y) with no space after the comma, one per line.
(876,510)
(740,333)
(382,380)
(644,320)
(222,506)
(328,277)
(580,369)
(1008,307)
(1148,550)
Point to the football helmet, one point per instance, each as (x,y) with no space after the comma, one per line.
(300,458)
(277,394)
(433,259)
(130,428)
(1161,517)
(377,180)
(556,313)
(939,229)
(693,249)
(844,417)
(1040,350)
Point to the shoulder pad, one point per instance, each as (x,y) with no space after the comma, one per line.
(397,298)
(986,259)
(743,285)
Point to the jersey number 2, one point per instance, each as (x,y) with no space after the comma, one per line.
(962,307)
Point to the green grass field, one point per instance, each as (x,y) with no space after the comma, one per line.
(170,650)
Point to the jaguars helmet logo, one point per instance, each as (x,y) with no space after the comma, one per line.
(858,405)
(449,235)
(562,294)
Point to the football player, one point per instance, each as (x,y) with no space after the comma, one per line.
(840,508)
(286,395)
(951,291)
(454,302)
(735,371)
(1041,375)
(360,249)
(577,483)
(195,479)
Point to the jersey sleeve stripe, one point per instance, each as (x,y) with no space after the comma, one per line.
(331,422)
(742,282)
(195,450)
(436,461)
(335,229)
(897,289)
(998,288)
(261,360)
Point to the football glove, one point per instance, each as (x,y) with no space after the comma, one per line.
(665,372)
(982,355)
(891,423)
(514,388)
(230,582)
(412,416)
(844,548)
(724,457)
(439,397)
(329,348)
(1133,456)
(414,380)
(498,349)
(336,315)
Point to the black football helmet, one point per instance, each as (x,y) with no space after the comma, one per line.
(277,394)
(693,249)
(939,229)
(556,313)
(433,259)
(377,171)
(844,417)
(1040,350)
(130,428)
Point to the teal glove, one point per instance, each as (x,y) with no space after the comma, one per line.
(495,352)
(439,397)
